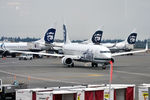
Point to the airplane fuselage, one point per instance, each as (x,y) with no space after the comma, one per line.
(88,52)
(20,46)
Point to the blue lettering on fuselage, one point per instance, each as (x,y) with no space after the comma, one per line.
(88,55)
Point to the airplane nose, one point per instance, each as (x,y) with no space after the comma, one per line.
(108,55)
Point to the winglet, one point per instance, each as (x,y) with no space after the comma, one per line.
(146,47)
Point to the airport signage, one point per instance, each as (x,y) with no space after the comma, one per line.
(0,85)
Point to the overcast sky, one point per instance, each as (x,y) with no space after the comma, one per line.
(32,18)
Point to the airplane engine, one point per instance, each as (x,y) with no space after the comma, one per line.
(67,61)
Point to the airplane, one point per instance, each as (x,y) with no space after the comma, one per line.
(96,54)
(96,39)
(36,46)
(126,45)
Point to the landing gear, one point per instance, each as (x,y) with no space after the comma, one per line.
(72,65)
(4,55)
(13,55)
(104,66)
(94,64)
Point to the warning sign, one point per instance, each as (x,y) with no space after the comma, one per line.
(78,98)
(106,96)
(145,95)
(0,85)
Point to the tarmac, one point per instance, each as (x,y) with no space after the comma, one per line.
(50,72)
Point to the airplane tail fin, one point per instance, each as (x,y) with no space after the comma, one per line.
(97,37)
(131,38)
(50,35)
(66,38)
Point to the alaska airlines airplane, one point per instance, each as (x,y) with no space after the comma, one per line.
(96,54)
(96,39)
(126,45)
(40,45)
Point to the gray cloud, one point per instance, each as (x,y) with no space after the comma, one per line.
(83,17)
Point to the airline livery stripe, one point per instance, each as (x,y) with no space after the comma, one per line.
(101,59)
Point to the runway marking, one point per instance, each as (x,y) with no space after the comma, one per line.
(39,78)
(95,75)
(132,73)
(82,76)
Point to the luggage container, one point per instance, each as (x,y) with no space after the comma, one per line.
(94,93)
(120,92)
(56,95)
(30,94)
(72,94)
(143,92)
(90,93)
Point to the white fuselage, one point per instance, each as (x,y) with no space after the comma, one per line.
(121,46)
(108,45)
(22,46)
(13,46)
(88,52)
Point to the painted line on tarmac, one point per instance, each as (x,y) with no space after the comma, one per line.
(95,75)
(39,78)
(132,73)
(82,76)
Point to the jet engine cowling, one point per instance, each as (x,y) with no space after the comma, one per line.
(67,61)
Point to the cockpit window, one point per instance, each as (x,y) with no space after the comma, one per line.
(104,51)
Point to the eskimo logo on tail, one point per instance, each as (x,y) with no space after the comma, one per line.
(97,37)
(132,38)
(49,36)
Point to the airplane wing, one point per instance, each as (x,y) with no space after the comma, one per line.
(75,57)
(37,53)
(125,53)
(131,52)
